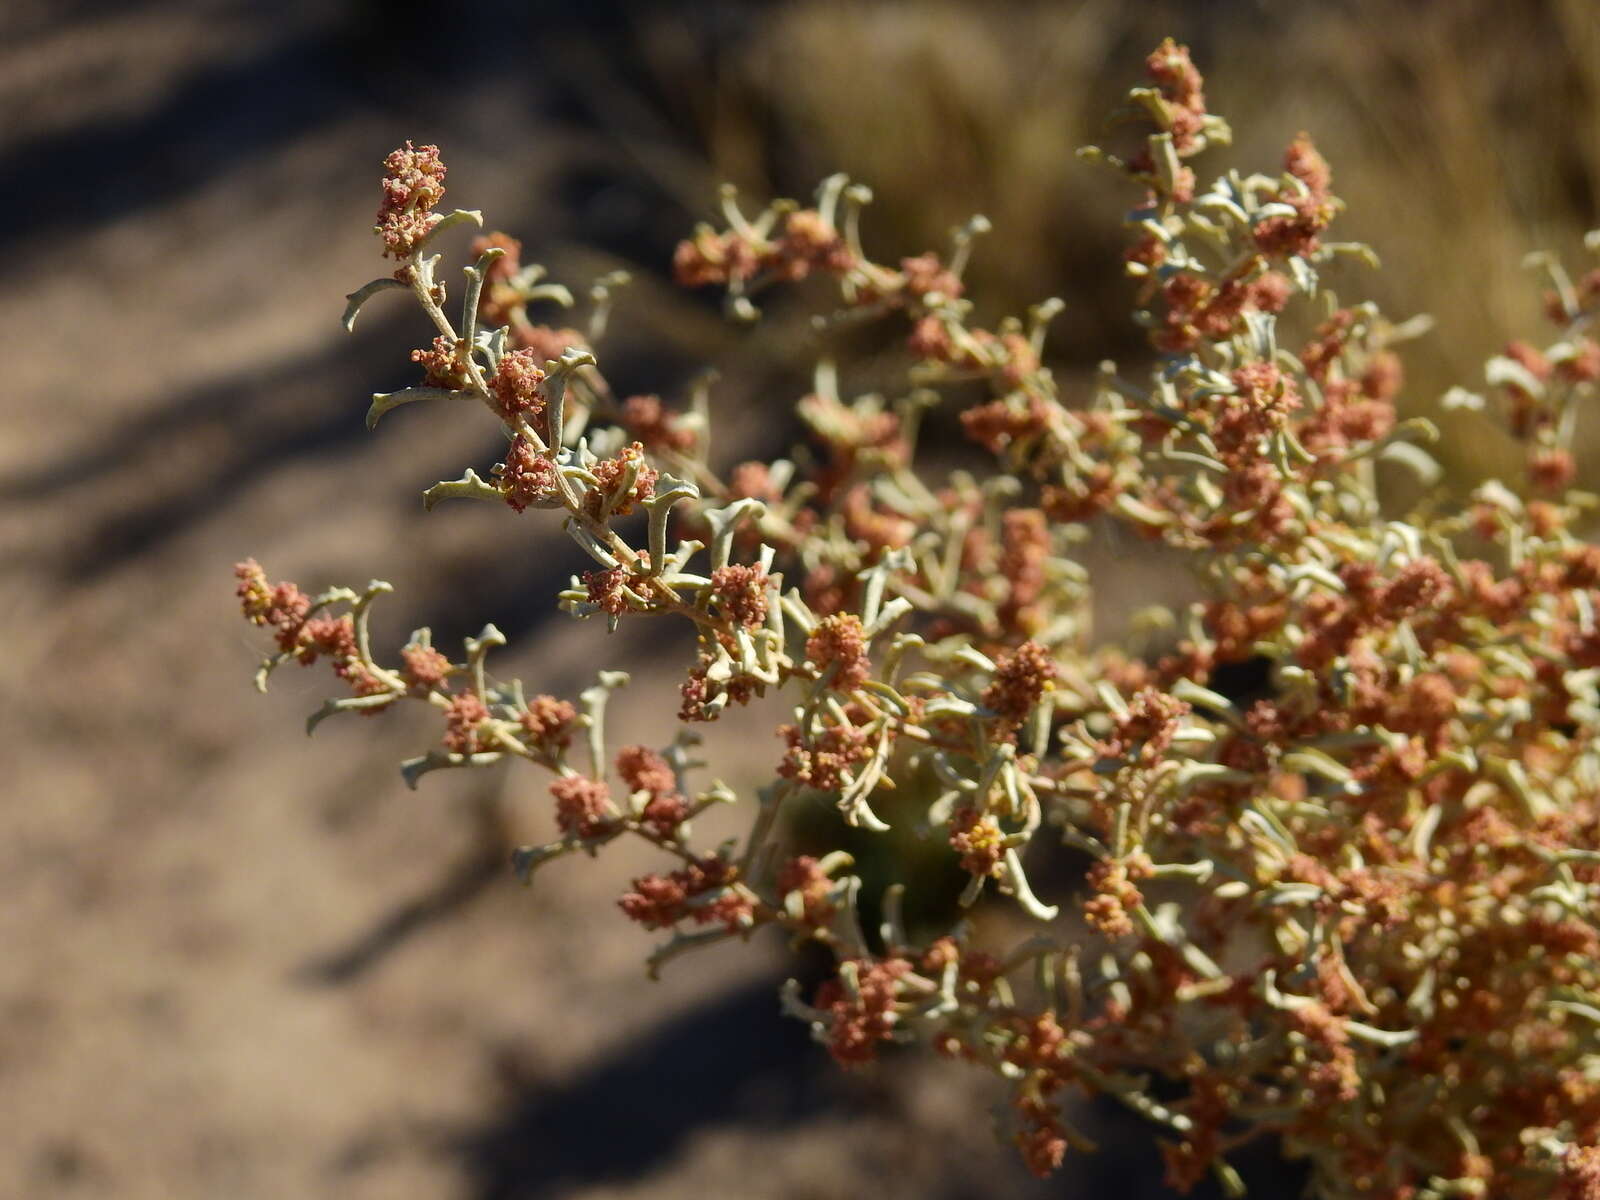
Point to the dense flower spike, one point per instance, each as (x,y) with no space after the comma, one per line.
(1313,206)
(839,642)
(516,385)
(548,721)
(1340,817)
(582,805)
(862,1012)
(1020,681)
(526,477)
(413,186)
(742,593)
(826,759)
(424,666)
(464,717)
(978,839)
(621,482)
(442,365)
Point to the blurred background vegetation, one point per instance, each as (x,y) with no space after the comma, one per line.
(243,964)
(1462,135)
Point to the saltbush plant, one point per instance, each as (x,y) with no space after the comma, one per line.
(1353,908)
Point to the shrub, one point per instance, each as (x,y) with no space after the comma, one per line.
(1354,908)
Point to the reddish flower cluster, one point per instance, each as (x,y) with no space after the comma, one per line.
(1580,1174)
(517,386)
(1008,360)
(1011,421)
(507,265)
(852,434)
(877,528)
(1180,85)
(425,668)
(504,302)
(703,891)
(807,243)
(1536,398)
(699,692)
(413,186)
(1312,202)
(1085,497)
(1112,881)
(742,594)
(1583,365)
(282,606)
(840,642)
(1552,469)
(1198,311)
(607,590)
(647,772)
(500,303)
(1021,678)
(1353,411)
(925,274)
(622,481)
(526,477)
(548,722)
(973,966)
(1042,1140)
(1369,601)
(978,838)
(1333,1077)
(827,759)
(443,365)
(327,637)
(1025,542)
(712,258)
(546,342)
(859,1018)
(463,721)
(803,876)
(583,805)
(930,339)
(753,480)
(655,427)
(1263,399)
(286,609)
(1144,731)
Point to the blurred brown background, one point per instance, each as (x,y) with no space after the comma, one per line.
(238,963)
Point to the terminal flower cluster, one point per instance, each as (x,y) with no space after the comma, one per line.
(1354,906)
